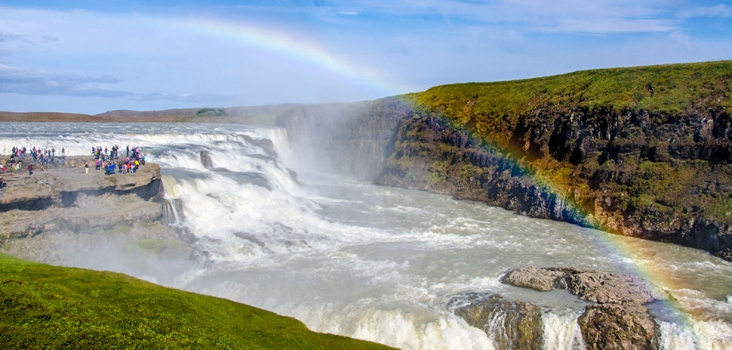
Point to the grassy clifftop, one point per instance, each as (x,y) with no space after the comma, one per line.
(43,306)
(664,89)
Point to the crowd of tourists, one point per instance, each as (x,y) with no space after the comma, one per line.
(107,159)
(43,157)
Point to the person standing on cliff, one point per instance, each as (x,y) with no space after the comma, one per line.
(30,169)
(86,167)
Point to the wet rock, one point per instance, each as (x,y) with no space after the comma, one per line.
(609,288)
(618,318)
(511,324)
(616,326)
(265,144)
(542,280)
(206,159)
(293,175)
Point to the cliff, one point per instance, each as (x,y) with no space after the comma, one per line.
(643,151)
(66,199)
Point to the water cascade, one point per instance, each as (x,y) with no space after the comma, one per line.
(376,263)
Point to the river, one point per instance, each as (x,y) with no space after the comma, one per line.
(377,263)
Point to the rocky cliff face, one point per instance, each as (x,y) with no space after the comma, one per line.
(667,181)
(65,199)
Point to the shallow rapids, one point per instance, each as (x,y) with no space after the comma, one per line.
(377,263)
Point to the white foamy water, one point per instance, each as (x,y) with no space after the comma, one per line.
(372,262)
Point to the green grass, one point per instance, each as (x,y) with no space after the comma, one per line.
(43,306)
(665,91)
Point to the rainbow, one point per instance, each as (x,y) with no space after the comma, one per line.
(301,48)
(639,260)
(638,257)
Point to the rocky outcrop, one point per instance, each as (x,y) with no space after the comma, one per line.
(616,326)
(511,324)
(66,198)
(618,318)
(594,286)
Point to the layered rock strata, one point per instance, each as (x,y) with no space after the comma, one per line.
(66,199)
(625,186)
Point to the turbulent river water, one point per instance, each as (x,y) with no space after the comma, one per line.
(376,263)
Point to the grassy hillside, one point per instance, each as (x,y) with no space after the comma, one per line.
(664,89)
(43,306)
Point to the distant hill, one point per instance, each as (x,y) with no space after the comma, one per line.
(260,115)
(46,117)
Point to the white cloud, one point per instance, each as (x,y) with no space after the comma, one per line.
(681,38)
(610,25)
(714,11)
(610,16)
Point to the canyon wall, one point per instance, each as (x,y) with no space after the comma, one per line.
(642,152)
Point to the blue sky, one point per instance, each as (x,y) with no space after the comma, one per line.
(98,55)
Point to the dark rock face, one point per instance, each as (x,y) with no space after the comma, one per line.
(430,154)
(511,324)
(626,173)
(206,160)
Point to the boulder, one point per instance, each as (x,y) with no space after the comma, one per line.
(617,319)
(535,278)
(206,159)
(511,324)
(609,288)
(594,286)
(618,326)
